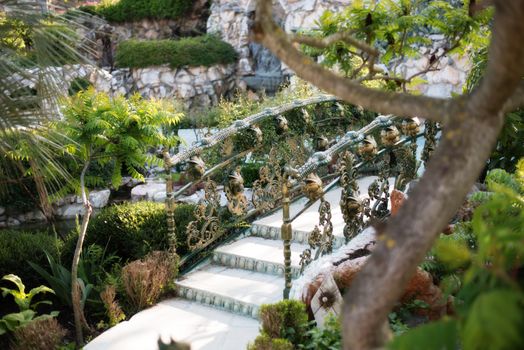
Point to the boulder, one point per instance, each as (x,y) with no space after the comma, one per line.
(146,191)
(70,211)
(2,210)
(12,222)
(99,198)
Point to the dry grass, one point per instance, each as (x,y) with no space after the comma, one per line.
(46,334)
(145,280)
(113,310)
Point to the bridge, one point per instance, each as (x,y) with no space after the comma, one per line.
(322,180)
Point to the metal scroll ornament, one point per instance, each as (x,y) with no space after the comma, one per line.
(321,238)
(430,133)
(237,201)
(379,190)
(354,210)
(206,227)
(267,190)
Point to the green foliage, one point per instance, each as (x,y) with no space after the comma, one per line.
(397,29)
(116,131)
(205,50)
(23,299)
(440,335)
(485,277)
(59,278)
(328,338)
(19,247)
(286,319)
(27,313)
(134,10)
(132,230)
(265,342)
(77,85)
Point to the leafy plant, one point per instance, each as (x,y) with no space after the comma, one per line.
(27,313)
(59,278)
(286,319)
(23,299)
(327,338)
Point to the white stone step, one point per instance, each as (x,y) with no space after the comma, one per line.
(236,290)
(203,327)
(269,227)
(258,254)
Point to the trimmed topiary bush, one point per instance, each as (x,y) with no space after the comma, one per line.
(204,50)
(132,230)
(134,10)
(18,247)
(265,342)
(286,319)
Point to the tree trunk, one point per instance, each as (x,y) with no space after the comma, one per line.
(43,195)
(75,287)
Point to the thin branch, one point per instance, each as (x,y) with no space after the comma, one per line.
(322,43)
(270,35)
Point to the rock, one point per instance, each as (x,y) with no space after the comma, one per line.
(100,198)
(12,222)
(2,210)
(70,211)
(160,197)
(146,191)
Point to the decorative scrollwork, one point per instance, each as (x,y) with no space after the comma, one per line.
(319,239)
(430,133)
(353,208)
(267,189)
(407,165)
(237,201)
(379,189)
(206,227)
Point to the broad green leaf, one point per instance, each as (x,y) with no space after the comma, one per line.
(495,321)
(440,335)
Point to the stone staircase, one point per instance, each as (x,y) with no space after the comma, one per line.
(226,291)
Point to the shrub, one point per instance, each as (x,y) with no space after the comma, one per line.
(204,50)
(145,280)
(327,338)
(286,319)
(265,342)
(132,230)
(134,10)
(44,334)
(19,247)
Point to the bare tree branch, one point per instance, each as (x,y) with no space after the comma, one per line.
(270,35)
(322,43)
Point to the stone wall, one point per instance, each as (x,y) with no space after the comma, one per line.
(232,21)
(194,86)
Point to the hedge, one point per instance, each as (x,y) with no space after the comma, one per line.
(132,230)
(134,10)
(18,247)
(204,50)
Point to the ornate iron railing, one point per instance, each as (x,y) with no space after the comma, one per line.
(357,212)
(284,179)
(205,230)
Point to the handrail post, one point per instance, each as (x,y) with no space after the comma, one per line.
(170,203)
(286,235)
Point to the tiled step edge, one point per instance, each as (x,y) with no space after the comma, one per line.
(252,264)
(271,232)
(218,301)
